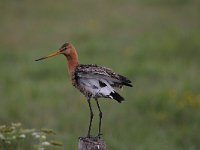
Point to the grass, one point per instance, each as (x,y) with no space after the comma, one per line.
(154,43)
(16,137)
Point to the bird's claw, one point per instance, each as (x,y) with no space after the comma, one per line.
(99,135)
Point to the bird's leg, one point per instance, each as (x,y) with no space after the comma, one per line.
(100,117)
(91,117)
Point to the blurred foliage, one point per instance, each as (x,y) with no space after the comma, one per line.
(155,43)
(15,137)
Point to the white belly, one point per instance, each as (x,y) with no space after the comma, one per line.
(97,87)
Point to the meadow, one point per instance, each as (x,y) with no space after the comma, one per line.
(155,43)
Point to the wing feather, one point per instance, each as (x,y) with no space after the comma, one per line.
(97,72)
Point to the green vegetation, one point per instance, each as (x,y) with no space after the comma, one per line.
(15,137)
(153,42)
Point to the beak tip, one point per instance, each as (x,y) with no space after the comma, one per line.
(40,59)
(51,55)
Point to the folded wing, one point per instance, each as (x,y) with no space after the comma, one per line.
(97,72)
(101,81)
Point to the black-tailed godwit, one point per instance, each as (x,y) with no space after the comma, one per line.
(92,80)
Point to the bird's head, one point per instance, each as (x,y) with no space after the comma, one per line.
(66,49)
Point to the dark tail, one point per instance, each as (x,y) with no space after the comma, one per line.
(116,96)
(127,84)
(125,81)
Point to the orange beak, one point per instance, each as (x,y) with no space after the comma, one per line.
(50,55)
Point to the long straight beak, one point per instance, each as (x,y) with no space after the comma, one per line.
(50,55)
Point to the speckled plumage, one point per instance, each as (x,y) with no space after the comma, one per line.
(92,80)
(93,71)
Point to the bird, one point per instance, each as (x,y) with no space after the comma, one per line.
(91,80)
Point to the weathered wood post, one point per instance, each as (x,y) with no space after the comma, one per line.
(92,143)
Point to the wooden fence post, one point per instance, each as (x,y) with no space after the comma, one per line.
(92,143)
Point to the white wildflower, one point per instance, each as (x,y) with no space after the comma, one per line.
(36,135)
(23,136)
(46,143)
(43,137)
(16,124)
(2,137)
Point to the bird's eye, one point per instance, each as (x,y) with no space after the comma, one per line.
(64,47)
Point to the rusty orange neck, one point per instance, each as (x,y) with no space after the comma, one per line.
(72,61)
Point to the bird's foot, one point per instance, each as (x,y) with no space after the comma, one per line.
(99,135)
(88,136)
(85,137)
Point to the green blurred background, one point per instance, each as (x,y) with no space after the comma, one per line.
(155,43)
